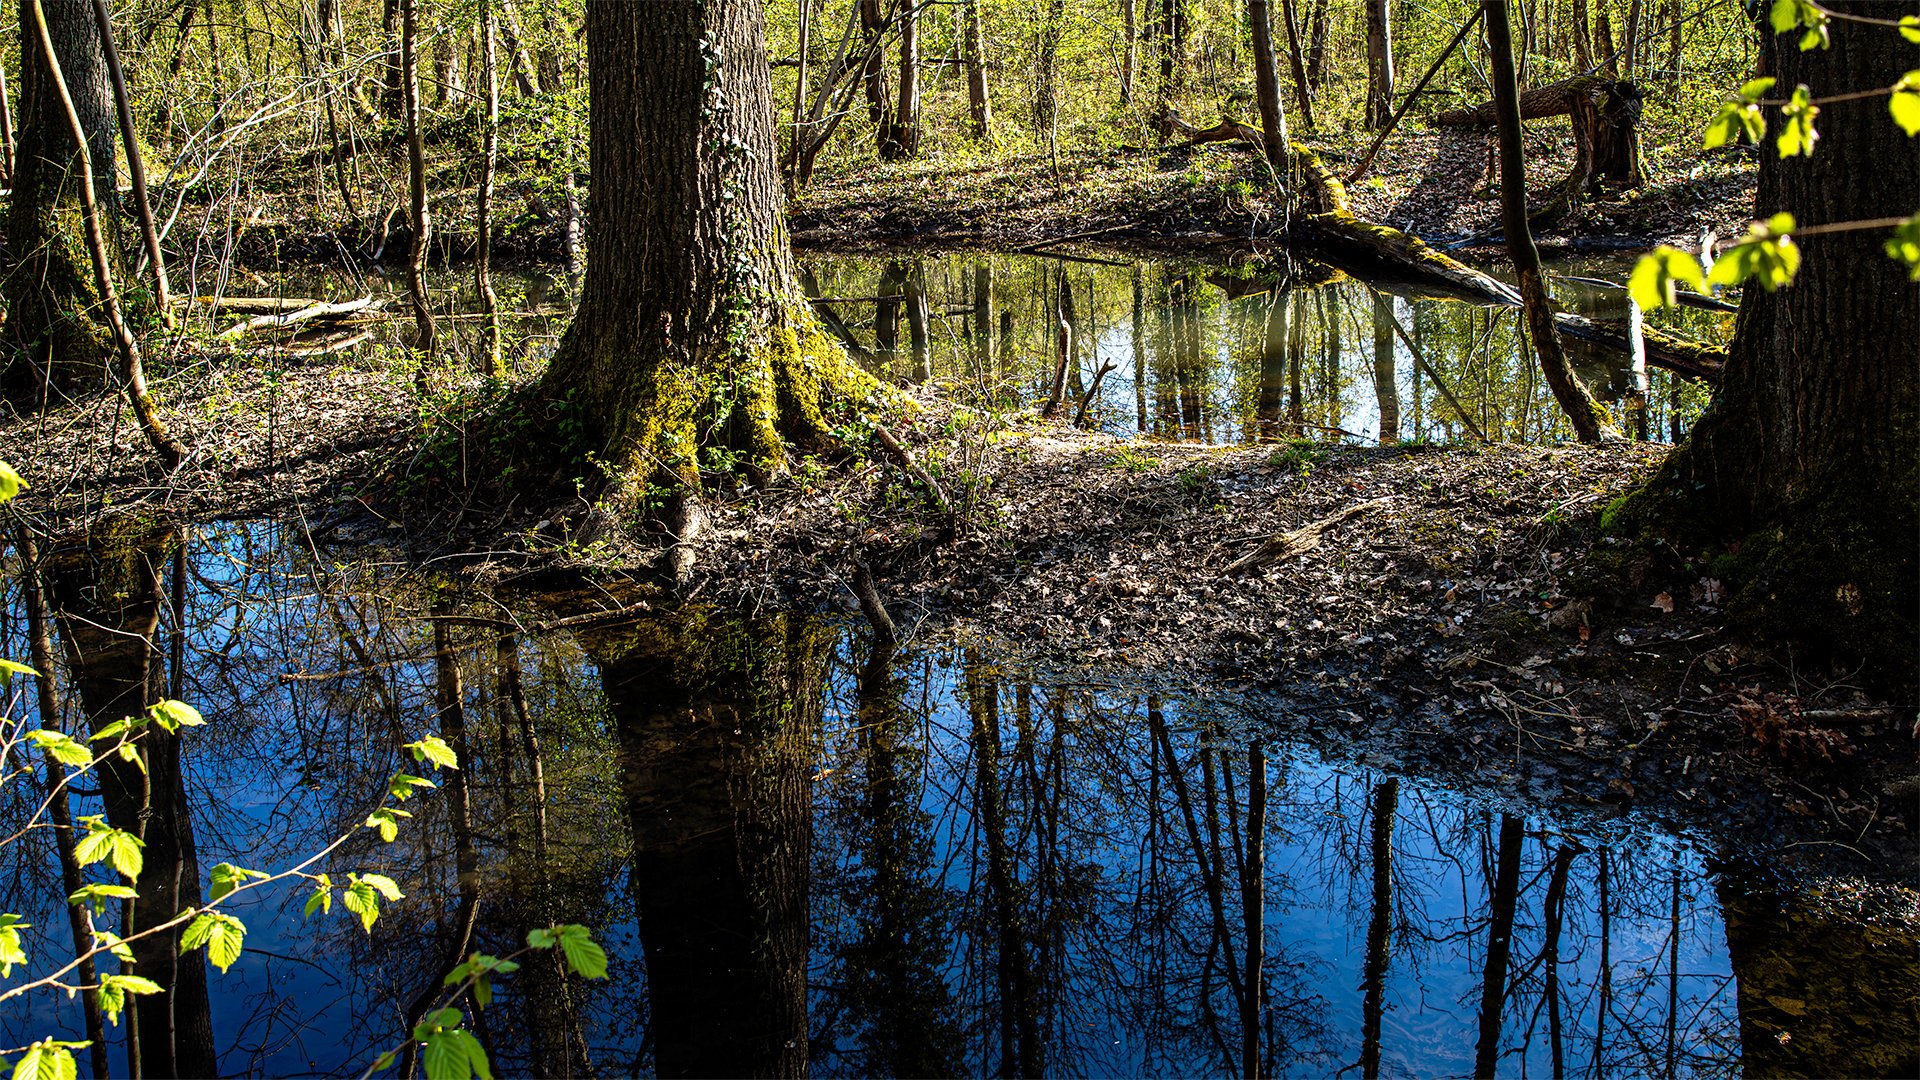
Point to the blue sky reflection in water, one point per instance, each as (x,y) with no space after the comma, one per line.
(995,867)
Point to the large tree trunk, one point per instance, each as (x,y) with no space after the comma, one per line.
(1808,465)
(1379,64)
(53,300)
(691,331)
(1589,419)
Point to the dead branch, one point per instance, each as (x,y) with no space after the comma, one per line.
(1298,541)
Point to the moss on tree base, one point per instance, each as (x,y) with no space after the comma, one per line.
(1831,572)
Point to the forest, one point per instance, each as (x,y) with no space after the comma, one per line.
(959,537)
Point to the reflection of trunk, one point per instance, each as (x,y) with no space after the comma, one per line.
(916,304)
(1820,993)
(1063,343)
(1386,376)
(1019,1028)
(983,320)
(107,602)
(1253,904)
(717,719)
(1140,364)
(1605,994)
(1555,909)
(1493,981)
(58,811)
(892,978)
(1386,799)
(1273,366)
(886,311)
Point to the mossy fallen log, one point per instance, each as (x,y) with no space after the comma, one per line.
(1553,99)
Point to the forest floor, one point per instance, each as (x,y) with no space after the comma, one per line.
(1447,610)
(1434,183)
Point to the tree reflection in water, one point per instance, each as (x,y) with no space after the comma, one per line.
(806,854)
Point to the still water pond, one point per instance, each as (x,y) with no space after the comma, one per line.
(803,855)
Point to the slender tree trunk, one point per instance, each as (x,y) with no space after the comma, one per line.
(1590,421)
(873,72)
(1253,900)
(1379,63)
(1317,53)
(901,138)
(1582,37)
(1266,85)
(1296,55)
(1130,51)
(978,109)
(6,131)
(136,168)
(418,215)
(491,361)
(799,126)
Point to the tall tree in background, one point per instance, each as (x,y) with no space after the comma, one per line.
(1379,63)
(1266,84)
(979,111)
(53,300)
(900,137)
(1590,421)
(691,332)
(1807,464)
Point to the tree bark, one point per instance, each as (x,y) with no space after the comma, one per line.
(1379,63)
(418,215)
(51,295)
(1266,84)
(1808,460)
(900,138)
(978,108)
(1130,52)
(491,362)
(1386,376)
(691,331)
(1296,57)
(1503,899)
(1590,421)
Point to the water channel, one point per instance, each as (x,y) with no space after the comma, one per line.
(803,854)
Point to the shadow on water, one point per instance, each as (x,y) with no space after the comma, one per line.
(805,854)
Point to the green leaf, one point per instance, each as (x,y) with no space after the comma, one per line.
(47,1060)
(445,1058)
(387,821)
(383,1061)
(402,786)
(227,877)
(583,955)
(1766,254)
(115,947)
(130,752)
(11,950)
(222,934)
(1796,134)
(1788,14)
(97,895)
(1753,90)
(1658,274)
(1904,245)
(61,747)
(322,898)
(363,896)
(174,715)
(117,728)
(384,885)
(435,749)
(1741,112)
(8,668)
(120,848)
(115,988)
(1905,103)
(10,483)
(1910,28)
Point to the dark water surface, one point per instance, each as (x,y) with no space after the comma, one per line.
(803,855)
